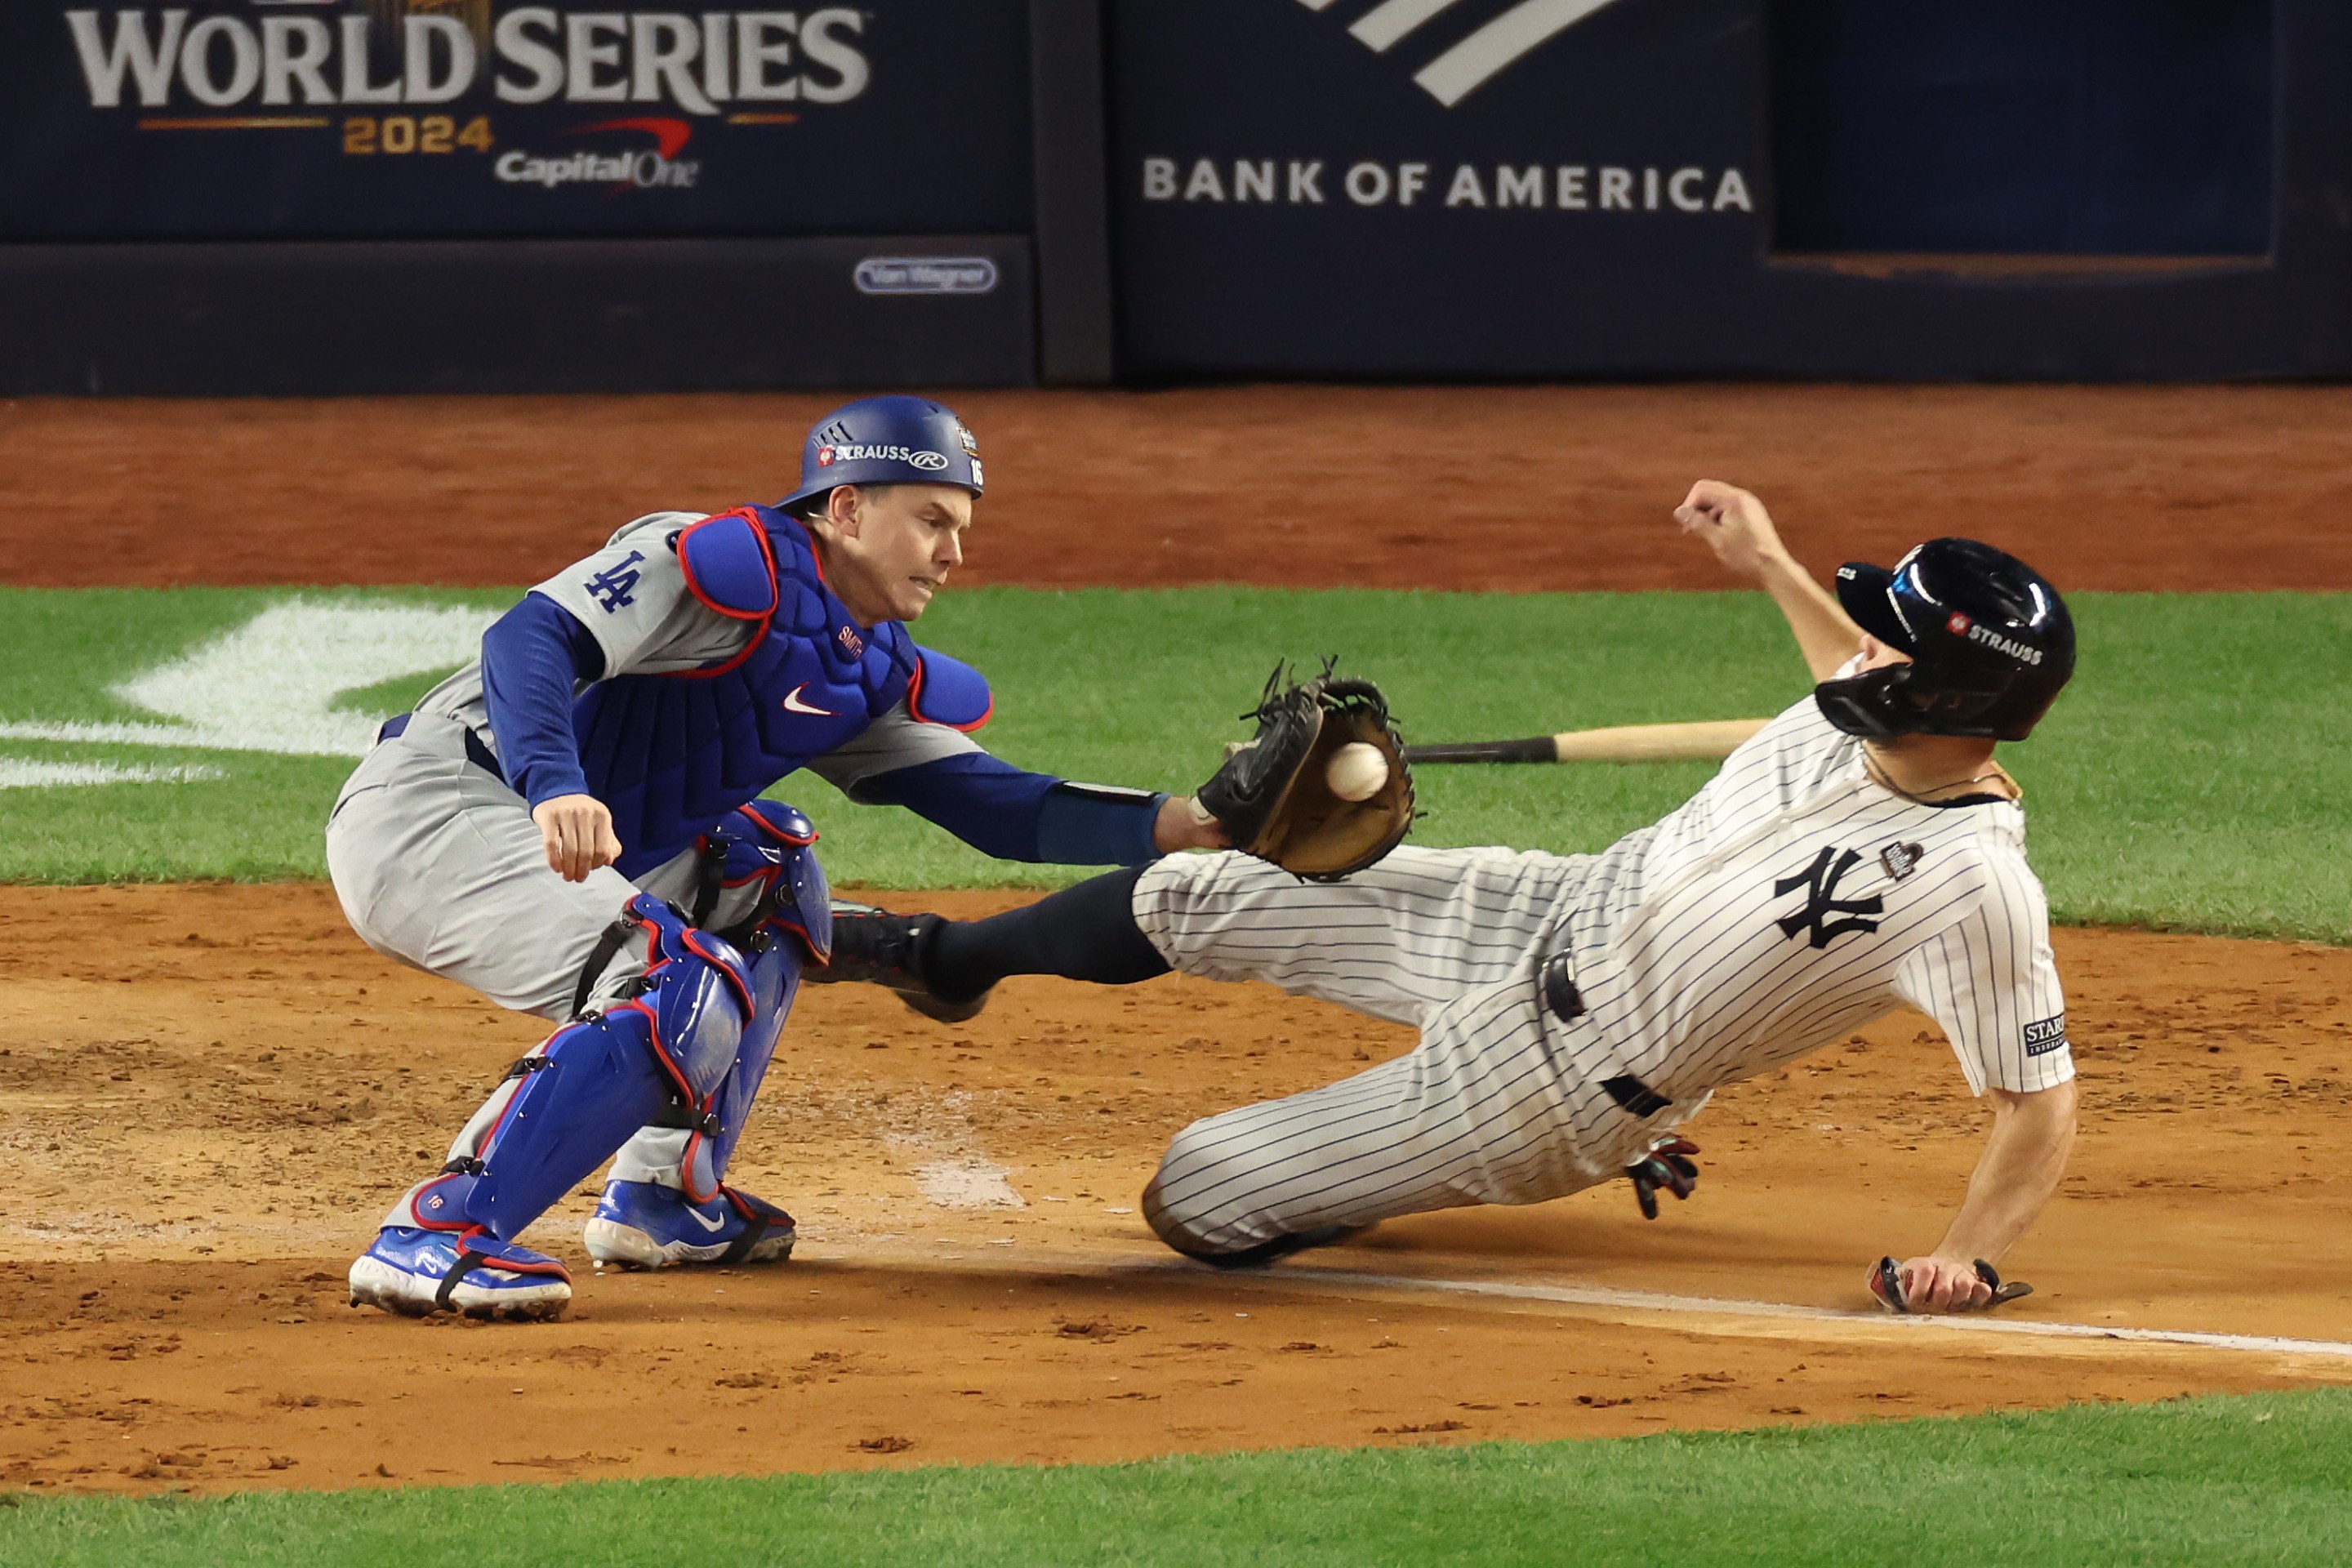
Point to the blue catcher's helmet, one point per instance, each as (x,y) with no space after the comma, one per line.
(1990,642)
(895,440)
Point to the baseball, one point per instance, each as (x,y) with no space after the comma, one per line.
(1356,771)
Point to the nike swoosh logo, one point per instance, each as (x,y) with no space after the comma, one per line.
(713,1225)
(792,703)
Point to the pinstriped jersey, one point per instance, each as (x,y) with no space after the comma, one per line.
(1793,899)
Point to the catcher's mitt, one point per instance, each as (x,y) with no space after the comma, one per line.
(1274,798)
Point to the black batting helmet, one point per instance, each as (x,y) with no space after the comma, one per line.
(1991,643)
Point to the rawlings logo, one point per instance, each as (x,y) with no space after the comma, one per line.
(929,461)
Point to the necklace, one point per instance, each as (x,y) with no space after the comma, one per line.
(1879,776)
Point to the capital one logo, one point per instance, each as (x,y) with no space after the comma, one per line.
(1518,31)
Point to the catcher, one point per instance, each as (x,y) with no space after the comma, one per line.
(570,826)
(1863,852)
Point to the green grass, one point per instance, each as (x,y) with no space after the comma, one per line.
(2192,779)
(2208,1481)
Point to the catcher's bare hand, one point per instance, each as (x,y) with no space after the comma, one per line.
(578,832)
(1940,1285)
(1184,823)
(1668,1164)
(1734,524)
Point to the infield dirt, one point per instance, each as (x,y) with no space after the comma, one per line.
(209,1095)
(2171,487)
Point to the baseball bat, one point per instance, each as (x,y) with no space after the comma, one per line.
(1712,739)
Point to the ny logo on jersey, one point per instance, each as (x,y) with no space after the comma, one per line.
(1819,880)
(613,585)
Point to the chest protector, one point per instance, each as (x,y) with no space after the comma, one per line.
(671,755)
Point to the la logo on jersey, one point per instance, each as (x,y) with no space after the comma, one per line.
(615,586)
(1819,882)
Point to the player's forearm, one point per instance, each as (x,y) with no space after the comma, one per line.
(2019,1169)
(532,658)
(1011,813)
(1825,633)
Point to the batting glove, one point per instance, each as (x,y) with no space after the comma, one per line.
(1886,1284)
(1668,1165)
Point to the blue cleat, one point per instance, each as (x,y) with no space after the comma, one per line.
(643,1224)
(419,1272)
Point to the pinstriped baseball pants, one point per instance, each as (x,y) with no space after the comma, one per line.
(1496,1105)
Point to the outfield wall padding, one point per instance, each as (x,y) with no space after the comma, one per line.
(363,196)
(1531,188)
(369,195)
(643,315)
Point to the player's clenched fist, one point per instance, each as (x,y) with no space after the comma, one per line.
(1939,1285)
(1936,1284)
(578,833)
(1734,523)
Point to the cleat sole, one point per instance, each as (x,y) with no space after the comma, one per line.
(375,1283)
(616,1245)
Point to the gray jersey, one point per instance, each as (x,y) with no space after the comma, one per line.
(648,623)
(437,863)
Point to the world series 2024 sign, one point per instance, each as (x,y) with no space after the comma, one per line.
(378,119)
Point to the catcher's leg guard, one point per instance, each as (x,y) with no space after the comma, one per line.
(775,982)
(665,1051)
(679,1210)
(770,894)
(755,877)
(756,868)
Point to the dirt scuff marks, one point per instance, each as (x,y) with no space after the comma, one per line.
(209,1095)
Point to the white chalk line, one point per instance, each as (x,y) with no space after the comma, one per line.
(18,773)
(1654,1301)
(1342,1280)
(271,684)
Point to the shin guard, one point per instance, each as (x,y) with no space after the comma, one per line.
(662,1054)
(775,980)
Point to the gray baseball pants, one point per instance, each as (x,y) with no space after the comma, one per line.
(438,864)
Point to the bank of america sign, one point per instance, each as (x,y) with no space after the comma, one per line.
(1518,31)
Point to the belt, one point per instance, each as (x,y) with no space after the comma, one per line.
(1566,1003)
(478,751)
